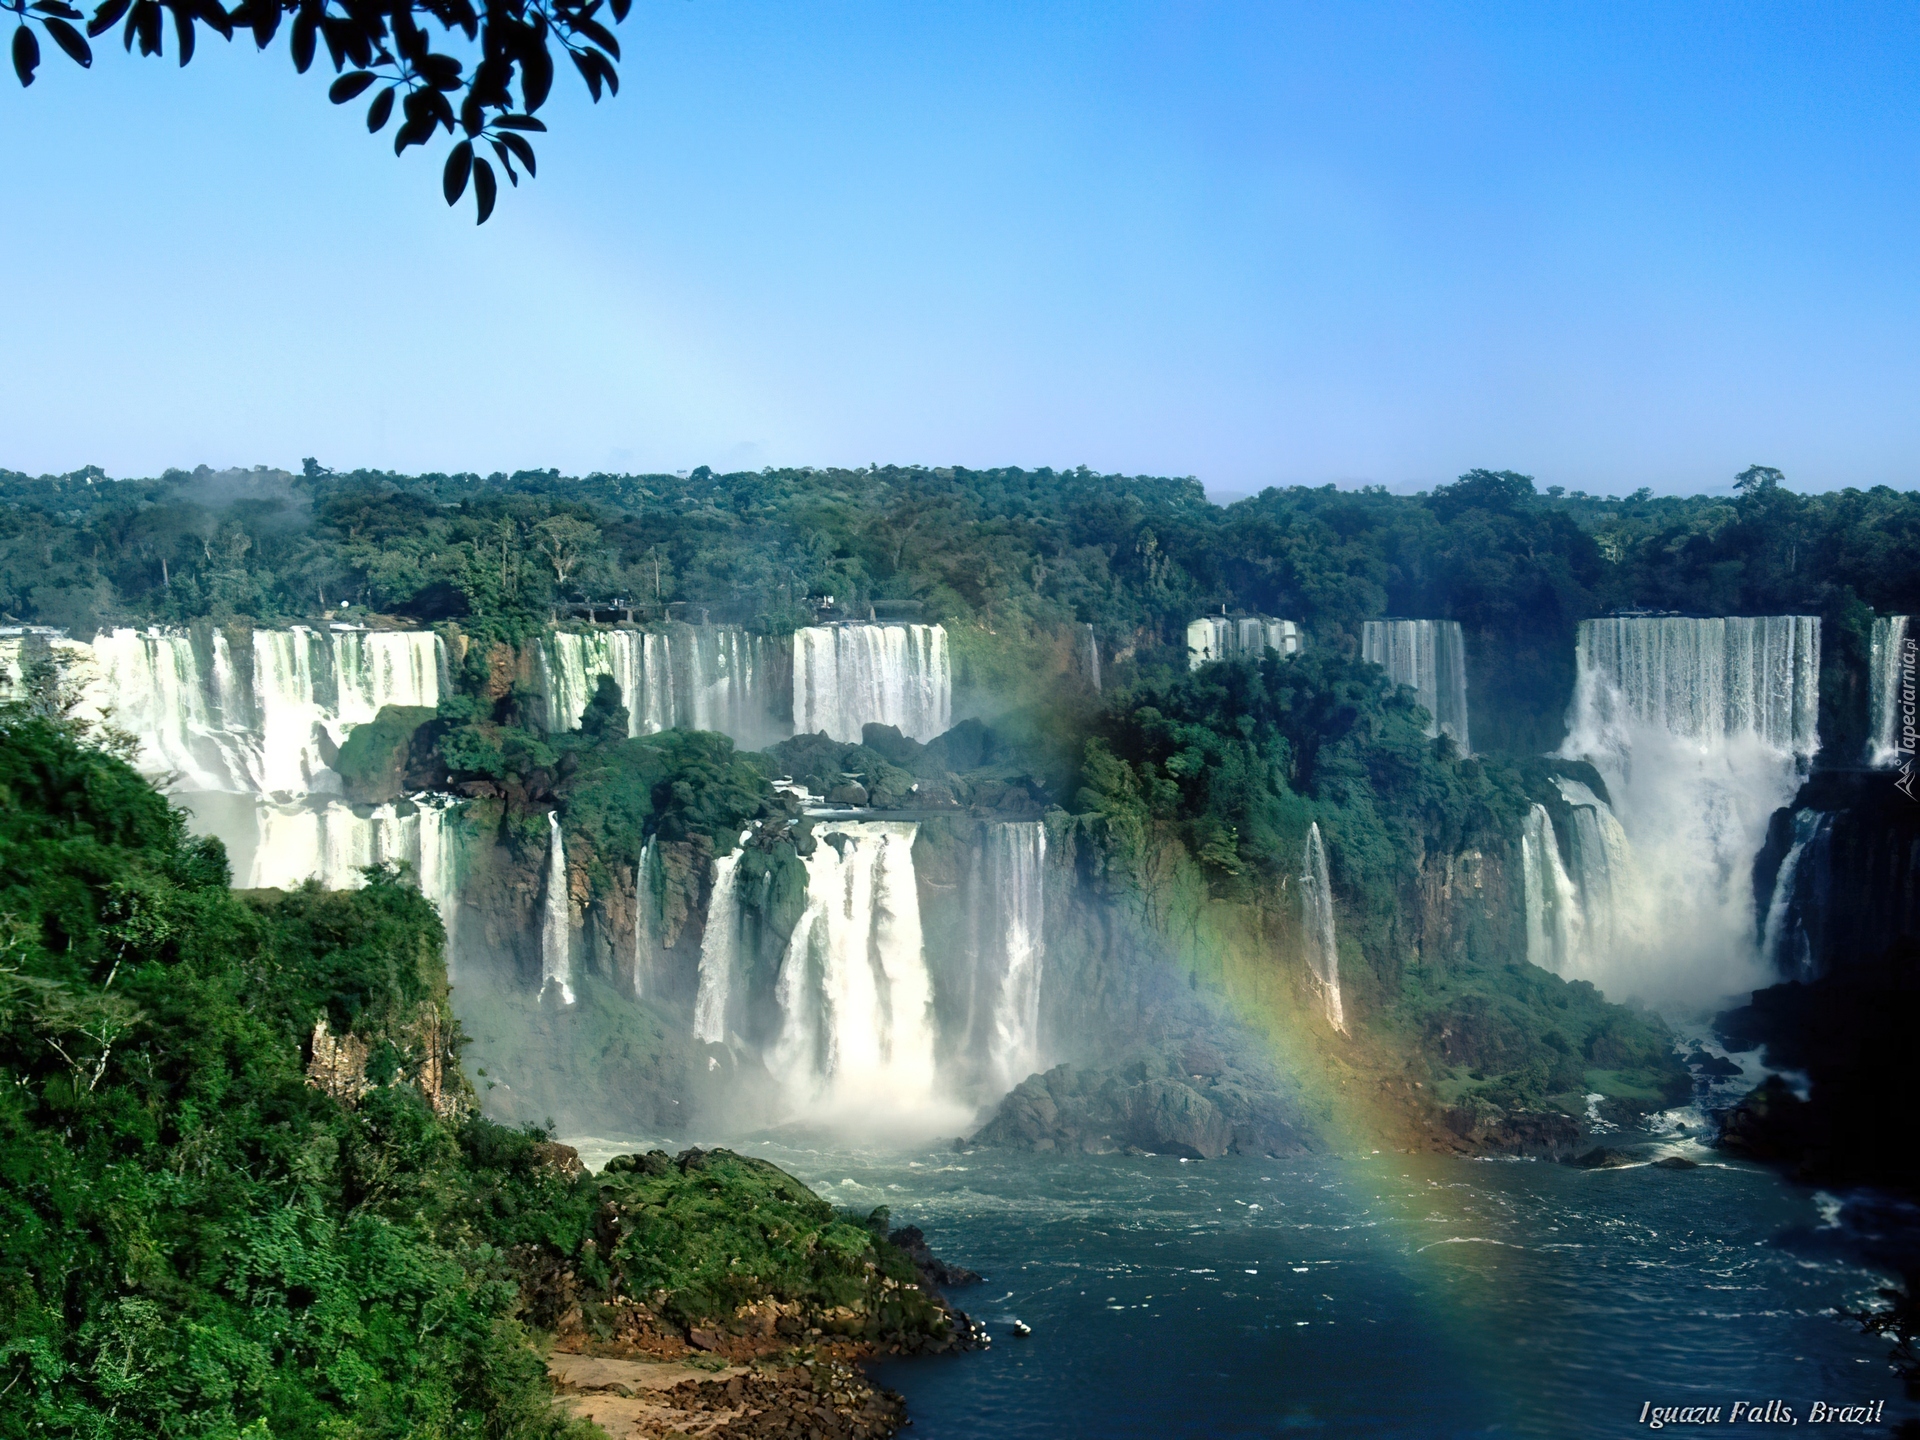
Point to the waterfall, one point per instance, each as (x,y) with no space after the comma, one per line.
(1891,693)
(1215,637)
(1089,657)
(556,927)
(1016,856)
(1430,658)
(1784,942)
(1323,951)
(650,980)
(438,867)
(291,761)
(151,685)
(698,677)
(1701,728)
(847,676)
(375,668)
(854,993)
(719,952)
(1554,919)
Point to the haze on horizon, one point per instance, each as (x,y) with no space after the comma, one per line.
(1642,246)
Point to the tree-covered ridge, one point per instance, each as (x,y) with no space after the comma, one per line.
(242,1189)
(1008,552)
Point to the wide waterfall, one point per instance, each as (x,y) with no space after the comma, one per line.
(278,846)
(719,953)
(267,727)
(848,676)
(1892,689)
(556,924)
(1701,728)
(1215,637)
(1429,657)
(698,677)
(1323,950)
(855,997)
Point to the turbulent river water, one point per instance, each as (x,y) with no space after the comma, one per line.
(1382,1295)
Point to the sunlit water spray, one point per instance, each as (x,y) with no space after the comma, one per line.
(1701,728)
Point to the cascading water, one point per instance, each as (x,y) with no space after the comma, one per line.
(848,676)
(376,668)
(855,997)
(1555,923)
(699,677)
(1016,878)
(1784,943)
(1430,658)
(1088,652)
(1701,728)
(1579,907)
(719,952)
(556,927)
(1323,951)
(1892,689)
(1215,637)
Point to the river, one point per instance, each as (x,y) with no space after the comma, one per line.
(1381,1295)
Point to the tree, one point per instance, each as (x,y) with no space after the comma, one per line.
(567,544)
(388,47)
(1756,478)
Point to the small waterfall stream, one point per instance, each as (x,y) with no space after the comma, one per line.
(556,927)
(1323,950)
(1016,879)
(1891,691)
(719,952)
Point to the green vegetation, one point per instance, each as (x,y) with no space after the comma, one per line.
(680,1235)
(242,1189)
(1007,557)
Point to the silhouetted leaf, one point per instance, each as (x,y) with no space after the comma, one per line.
(350,85)
(183,30)
(536,75)
(106,17)
(599,34)
(26,54)
(588,72)
(520,148)
(70,40)
(485,188)
(620,8)
(306,34)
(506,160)
(518,122)
(379,111)
(453,180)
(213,15)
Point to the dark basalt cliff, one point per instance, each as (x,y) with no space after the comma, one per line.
(1846,921)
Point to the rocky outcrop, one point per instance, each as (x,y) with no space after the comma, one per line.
(1153,1104)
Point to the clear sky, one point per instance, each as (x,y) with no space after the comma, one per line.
(1608,245)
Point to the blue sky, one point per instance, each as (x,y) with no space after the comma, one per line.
(1607,245)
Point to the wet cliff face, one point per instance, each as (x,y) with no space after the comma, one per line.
(1837,886)
(1468,909)
(1837,899)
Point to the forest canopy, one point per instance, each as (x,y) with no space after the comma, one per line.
(1006,550)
